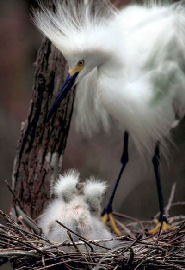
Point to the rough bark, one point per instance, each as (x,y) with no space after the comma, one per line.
(41,145)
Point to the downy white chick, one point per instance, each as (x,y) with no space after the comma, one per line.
(65,190)
(79,212)
(94,191)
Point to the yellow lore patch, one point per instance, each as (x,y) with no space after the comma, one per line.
(77,68)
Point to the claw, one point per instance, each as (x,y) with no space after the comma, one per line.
(165,226)
(109,217)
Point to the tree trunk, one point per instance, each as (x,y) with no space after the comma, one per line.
(41,145)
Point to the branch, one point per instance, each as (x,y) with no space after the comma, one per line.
(17,253)
(170,200)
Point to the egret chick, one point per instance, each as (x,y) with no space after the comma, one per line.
(94,191)
(65,190)
(126,64)
(67,185)
(74,209)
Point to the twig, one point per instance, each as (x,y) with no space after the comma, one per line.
(76,247)
(87,242)
(81,237)
(54,264)
(170,200)
(74,244)
(15,226)
(28,220)
(17,253)
(128,217)
(125,228)
(178,203)
(79,243)
(15,199)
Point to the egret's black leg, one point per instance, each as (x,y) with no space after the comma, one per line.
(162,223)
(108,209)
(124,160)
(156,163)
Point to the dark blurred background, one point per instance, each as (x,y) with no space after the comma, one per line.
(97,156)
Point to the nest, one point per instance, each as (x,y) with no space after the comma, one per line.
(24,246)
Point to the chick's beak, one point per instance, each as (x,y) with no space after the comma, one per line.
(68,84)
(79,187)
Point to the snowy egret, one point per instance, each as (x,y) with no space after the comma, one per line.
(127,64)
(79,211)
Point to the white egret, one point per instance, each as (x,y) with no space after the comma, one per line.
(77,208)
(128,64)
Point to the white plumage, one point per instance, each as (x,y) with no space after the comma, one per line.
(94,191)
(128,65)
(80,212)
(66,186)
(134,64)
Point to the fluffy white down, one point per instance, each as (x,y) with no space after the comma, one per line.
(94,191)
(134,65)
(51,213)
(65,186)
(75,214)
(100,232)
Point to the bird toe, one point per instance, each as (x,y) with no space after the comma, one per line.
(109,217)
(164,227)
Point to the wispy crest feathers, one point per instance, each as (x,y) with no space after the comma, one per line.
(75,26)
(94,191)
(94,188)
(72,18)
(65,186)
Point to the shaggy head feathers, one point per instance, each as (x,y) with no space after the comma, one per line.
(66,185)
(66,188)
(79,30)
(75,25)
(94,187)
(94,191)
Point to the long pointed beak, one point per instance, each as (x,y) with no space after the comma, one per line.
(68,84)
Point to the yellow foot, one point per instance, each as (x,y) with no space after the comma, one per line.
(165,226)
(109,217)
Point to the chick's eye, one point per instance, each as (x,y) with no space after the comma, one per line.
(81,63)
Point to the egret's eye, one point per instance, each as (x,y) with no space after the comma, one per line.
(81,63)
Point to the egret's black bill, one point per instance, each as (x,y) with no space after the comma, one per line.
(68,84)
